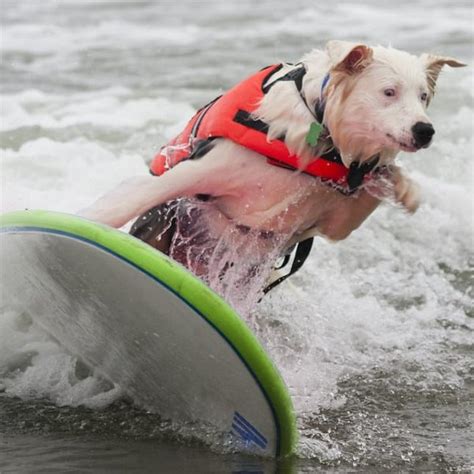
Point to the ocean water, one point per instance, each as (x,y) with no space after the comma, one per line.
(374,337)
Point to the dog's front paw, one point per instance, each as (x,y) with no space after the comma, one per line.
(406,191)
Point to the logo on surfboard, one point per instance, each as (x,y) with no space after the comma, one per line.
(247,432)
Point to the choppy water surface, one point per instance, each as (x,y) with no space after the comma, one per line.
(374,337)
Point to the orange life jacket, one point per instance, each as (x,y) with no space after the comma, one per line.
(230,116)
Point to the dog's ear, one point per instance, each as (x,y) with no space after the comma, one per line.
(433,65)
(348,57)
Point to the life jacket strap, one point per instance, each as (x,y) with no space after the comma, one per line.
(357,172)
(296,75)
(200,116)
(302,252)
(245,118)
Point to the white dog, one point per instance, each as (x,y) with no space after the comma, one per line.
(371,102)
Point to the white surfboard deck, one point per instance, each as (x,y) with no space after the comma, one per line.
(147,324)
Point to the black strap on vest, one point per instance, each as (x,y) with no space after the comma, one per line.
(357,172)
(245,118)
(202,112)
(302,252)
(297,75)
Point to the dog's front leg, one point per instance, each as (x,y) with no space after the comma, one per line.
(406,191)
(394,185)
(211,174)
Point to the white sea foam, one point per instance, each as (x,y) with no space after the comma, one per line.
(44,38)
(113,108)
(32,365)
(43,171)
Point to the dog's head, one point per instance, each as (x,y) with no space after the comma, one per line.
(376,99)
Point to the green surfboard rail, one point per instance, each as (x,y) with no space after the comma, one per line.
(211,306)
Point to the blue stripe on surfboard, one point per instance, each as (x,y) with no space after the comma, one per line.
(248,436)
(240,420)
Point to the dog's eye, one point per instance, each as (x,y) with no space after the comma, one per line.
(424,96)
(389,92)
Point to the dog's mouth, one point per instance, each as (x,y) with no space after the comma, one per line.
(410,147)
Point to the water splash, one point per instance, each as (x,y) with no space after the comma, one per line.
(234,260)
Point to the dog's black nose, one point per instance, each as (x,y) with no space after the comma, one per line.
(422,133)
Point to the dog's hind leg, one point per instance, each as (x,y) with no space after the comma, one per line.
(157,226)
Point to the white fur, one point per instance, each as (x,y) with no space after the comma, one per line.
(362,122)
(365,123)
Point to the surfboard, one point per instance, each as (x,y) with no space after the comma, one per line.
(144,322)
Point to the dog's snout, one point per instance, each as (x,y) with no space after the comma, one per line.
(422,133)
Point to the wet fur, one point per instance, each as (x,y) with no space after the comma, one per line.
(361,123)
